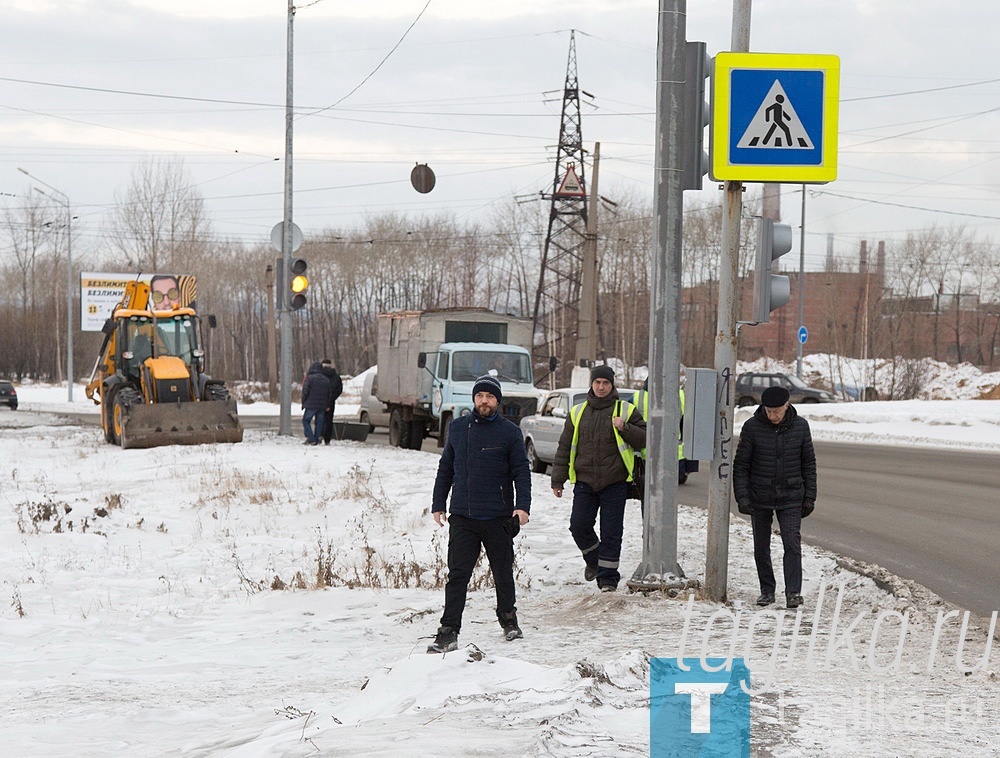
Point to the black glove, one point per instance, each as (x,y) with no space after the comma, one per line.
(808,506)
(744,507)
(512,526)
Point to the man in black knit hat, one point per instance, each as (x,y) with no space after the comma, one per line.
(596,453)
(482,463)
(774,474)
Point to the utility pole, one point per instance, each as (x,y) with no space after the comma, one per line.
(272,357)
(719,488)
(284,312)
(659,568)
(802,279)
(586,345)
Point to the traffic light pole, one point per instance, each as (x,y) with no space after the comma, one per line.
(659,568)
(284,314)
(719,488)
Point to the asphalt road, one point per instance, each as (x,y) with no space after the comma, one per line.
(928,515)
(932,516)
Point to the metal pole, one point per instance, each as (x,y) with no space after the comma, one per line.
(659,567)
(69,278)
(802,280)
(272,363)
(586,344)
(717,547)
(69,303)
(284,314)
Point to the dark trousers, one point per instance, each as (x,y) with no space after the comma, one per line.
(465,538)
(309,418)
(328,425)
(609,504)
(790,523)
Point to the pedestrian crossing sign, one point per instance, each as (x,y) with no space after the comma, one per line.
(774,118)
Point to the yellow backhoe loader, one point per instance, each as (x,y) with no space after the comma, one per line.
(149,379)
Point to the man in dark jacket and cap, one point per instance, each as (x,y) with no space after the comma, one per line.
(336,389)
(482,464)
(597,450)
(774,474)
(315,397)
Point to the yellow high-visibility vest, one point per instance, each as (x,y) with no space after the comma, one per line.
(625,450)
(641,399)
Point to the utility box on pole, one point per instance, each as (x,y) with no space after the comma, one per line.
(700,396)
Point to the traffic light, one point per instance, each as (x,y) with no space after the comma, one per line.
(695,116)
(770,291)
(297,284)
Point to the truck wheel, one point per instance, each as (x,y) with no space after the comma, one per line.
(417,430)
(537,464)
(443,433)
(746,400)
(108,418)
(124,399)
(365,420)
(399,430)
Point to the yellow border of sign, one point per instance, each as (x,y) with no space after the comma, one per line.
(721,169)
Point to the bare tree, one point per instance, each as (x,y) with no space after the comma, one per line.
(159,222)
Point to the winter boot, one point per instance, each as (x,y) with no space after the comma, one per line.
(590,573)
(511,631)
(445,640)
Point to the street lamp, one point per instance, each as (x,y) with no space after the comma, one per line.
(69,276)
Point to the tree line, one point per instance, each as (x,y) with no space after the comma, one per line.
(394,262)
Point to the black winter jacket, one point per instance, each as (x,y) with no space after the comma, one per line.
(598,462)
(315,389)
(336,384)
(482,462)
(775,465)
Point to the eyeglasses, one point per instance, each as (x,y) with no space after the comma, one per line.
(171,293)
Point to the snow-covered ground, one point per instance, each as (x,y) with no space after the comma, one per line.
(275,599)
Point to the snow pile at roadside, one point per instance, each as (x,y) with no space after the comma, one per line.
(270,598)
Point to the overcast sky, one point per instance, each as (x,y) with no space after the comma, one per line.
(89,88)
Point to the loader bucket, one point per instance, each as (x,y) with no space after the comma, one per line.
(192,423)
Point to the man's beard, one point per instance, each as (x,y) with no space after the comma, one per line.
(484,410)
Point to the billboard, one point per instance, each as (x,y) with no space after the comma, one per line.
(101,292)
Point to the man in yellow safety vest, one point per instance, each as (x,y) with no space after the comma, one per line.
(597,454)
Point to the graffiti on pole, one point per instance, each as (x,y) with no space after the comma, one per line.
(725,436)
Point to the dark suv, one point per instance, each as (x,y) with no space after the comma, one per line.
(749,386)
(8,395)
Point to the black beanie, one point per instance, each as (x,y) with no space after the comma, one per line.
(602,372)
(487,384)
(774,397)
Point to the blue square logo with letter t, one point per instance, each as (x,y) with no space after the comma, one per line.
(698,712)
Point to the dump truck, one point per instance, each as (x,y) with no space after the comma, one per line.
(428,362)
(150,382)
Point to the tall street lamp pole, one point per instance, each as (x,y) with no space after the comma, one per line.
(69,276)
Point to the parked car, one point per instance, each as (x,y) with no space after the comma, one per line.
(749,387)
(541,430)
(8,395)
(372,411)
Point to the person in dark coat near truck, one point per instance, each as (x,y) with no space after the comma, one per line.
(774,475)
(482,464)
(336,389)
(315,397)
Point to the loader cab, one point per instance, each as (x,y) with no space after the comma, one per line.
(142,336)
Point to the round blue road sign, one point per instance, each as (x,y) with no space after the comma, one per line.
(803,334)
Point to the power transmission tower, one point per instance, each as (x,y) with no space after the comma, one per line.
(557,299)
